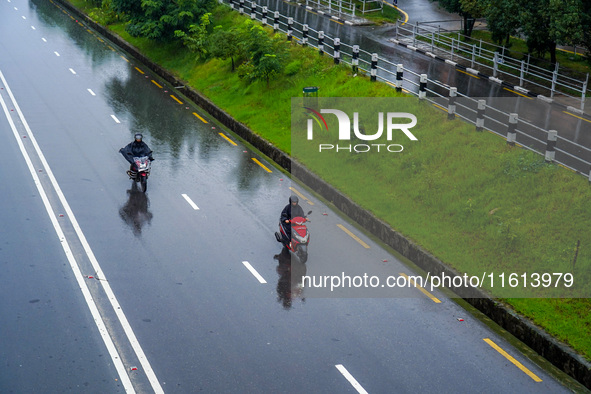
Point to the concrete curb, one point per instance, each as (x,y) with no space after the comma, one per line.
(548,347)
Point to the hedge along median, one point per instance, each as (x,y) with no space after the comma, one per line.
(514,170)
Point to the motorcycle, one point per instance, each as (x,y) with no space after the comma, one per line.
(300,237)
(143,171)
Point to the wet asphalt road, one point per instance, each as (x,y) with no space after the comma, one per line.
(185,314)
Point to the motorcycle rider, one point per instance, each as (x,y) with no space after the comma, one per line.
(291,210)
(136,148)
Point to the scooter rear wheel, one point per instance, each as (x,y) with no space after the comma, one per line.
(302,253)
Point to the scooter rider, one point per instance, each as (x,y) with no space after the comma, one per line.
(291,210)
(136,148)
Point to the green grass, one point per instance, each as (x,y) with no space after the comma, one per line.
(466,197)
(518,49)
(388,14)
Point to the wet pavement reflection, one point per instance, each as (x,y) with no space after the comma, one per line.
(289,284)
(135,212)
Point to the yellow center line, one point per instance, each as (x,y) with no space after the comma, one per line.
(301,195)
(568,113)
(425,292)
(566,168)
(176,99)
(567,51)
(467,73)
(394,6)
(440,107)
(100,39)
(227,139)
(261,164)
(340,23)
(157,84)
(356,238)
(124,58)
(394,86)
(111,48)
(510,358)
(140,71)
(517,93)
(203,120)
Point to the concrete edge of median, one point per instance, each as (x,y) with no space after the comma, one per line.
(558,353)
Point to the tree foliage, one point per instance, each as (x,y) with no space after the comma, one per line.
(468,9)
(265,54)
(197,38)
(502,19)
(544,23)
(160,19)
(225,44)
(548,23)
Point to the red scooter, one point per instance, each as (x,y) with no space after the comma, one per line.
(300,237)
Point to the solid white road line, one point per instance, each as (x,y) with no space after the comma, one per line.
(254,272)
(70,256)
(90,254)
(351,379)
(191,203)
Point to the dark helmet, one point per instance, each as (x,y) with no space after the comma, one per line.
(138,137)
(293,198)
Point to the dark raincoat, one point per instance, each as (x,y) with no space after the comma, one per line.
(290,212)
(136,149)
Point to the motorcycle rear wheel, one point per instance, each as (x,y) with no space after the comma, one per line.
(144,183)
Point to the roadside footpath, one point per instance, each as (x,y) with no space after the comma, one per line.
(557,353)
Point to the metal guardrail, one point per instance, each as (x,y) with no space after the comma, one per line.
(496,62)
(338,6)
(485,117)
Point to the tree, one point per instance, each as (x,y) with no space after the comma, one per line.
(471,9)
(546,23)
(196,39)
(265,54)
(455,7)
(565,26)
(586,28)
(225,44)
(268,66)
(502,18)
(160,19)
